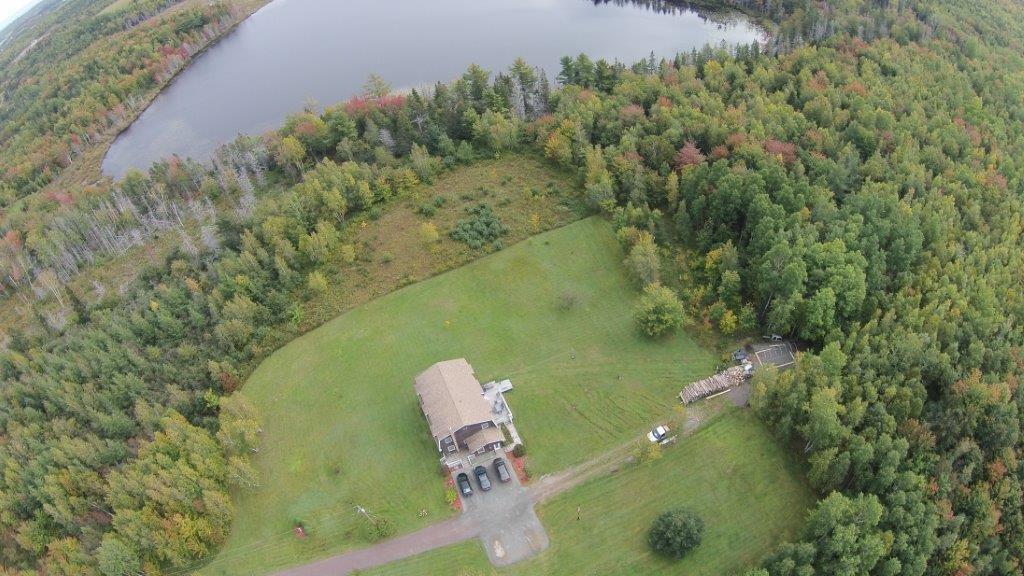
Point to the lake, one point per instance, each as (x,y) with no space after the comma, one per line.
(294,51)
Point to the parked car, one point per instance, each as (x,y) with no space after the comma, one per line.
(481,478)
(657,434)
(773,337)
(501,470)
(740,355)
(464,486)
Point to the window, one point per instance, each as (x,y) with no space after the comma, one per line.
(485,425)
(451,447)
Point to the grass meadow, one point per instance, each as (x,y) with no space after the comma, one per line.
(749,490)
(342,427)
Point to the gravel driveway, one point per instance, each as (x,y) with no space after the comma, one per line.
(503,519)
(433,536)
(508,526)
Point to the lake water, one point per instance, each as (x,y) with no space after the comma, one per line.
(294,51)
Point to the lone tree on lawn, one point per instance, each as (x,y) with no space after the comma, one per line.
(676,532)
(659,311)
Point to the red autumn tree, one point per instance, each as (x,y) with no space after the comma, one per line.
(786,150)
(689,155)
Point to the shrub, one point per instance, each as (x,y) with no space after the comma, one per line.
(568,300)
(317,282)
(659,312)
(430,207)
(382,528)
(348,253)
(675,532)
(450,495)
(464,153)
(482,226)
(428,233)
(519,451)
(727,323)
(648,452)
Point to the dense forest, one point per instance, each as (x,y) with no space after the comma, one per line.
(854,182)
(83,71)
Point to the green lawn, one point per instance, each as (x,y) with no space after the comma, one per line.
(342,426)
(749,491)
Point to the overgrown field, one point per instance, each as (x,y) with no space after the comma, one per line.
(342,426)
(526,193)
(748,489)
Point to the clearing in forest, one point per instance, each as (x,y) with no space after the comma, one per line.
(343,427)
(750,492)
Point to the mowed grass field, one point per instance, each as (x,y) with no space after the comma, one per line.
(749,490)
(342,427)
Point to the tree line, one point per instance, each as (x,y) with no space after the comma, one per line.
(81,74)
(859,190)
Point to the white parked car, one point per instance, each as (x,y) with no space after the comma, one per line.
(658,434)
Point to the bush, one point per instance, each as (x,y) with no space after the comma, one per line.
(428,233)
(430,207)
(382,528)
(519,451)
(318,282)
(481,227)
(659,312)
(348,253)
(648,452)
(568,300)
(676,532)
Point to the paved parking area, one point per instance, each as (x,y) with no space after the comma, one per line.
(509,528)
(780,354)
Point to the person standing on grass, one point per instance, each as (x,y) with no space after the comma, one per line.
(579,507)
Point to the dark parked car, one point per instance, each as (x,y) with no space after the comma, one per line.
(501,470)
(481,478)
(464,486)
(739,355)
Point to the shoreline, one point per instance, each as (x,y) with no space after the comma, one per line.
(148,101)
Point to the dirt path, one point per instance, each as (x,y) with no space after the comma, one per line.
(434,536)
(469,526)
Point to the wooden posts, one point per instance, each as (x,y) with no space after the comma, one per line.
(728,378)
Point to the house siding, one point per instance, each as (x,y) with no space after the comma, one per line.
(466,431)
(488,448)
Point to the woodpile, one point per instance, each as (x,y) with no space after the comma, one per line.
(720,382)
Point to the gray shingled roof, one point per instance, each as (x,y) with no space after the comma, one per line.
(452,397)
